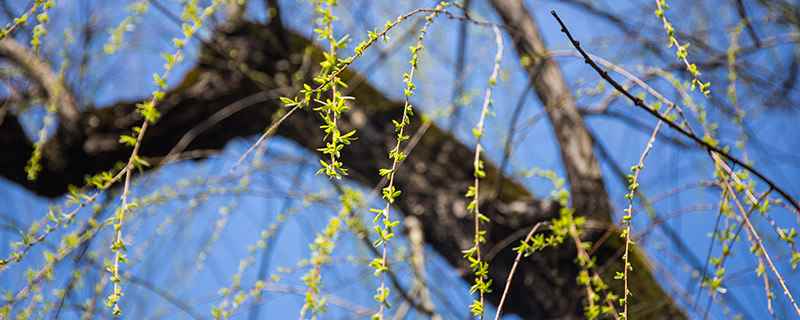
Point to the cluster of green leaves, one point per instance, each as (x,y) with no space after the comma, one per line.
(681,50)
(633,186)
(42,18)
(560,226)
(117,34)
(321,250)
(328,80)
(118,247)
(480,269)
(192,17)
(384,224)
(331,102)
(627,219)
(599,298)
(733,50)
(789,237)
(726,237)
(34,166)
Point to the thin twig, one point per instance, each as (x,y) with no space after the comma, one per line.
(514,269)
(458,79)
(750,30)
(760,243)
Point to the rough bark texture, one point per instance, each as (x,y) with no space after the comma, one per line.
(433,178)
(586,181)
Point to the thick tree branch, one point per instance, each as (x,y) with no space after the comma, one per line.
(586,182)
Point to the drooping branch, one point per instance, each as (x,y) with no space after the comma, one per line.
(433,178)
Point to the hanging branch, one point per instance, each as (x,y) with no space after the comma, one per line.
(640,103)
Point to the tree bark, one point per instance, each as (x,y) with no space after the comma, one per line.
(433,178)
(588,191)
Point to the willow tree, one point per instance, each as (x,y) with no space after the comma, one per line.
(172,203)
